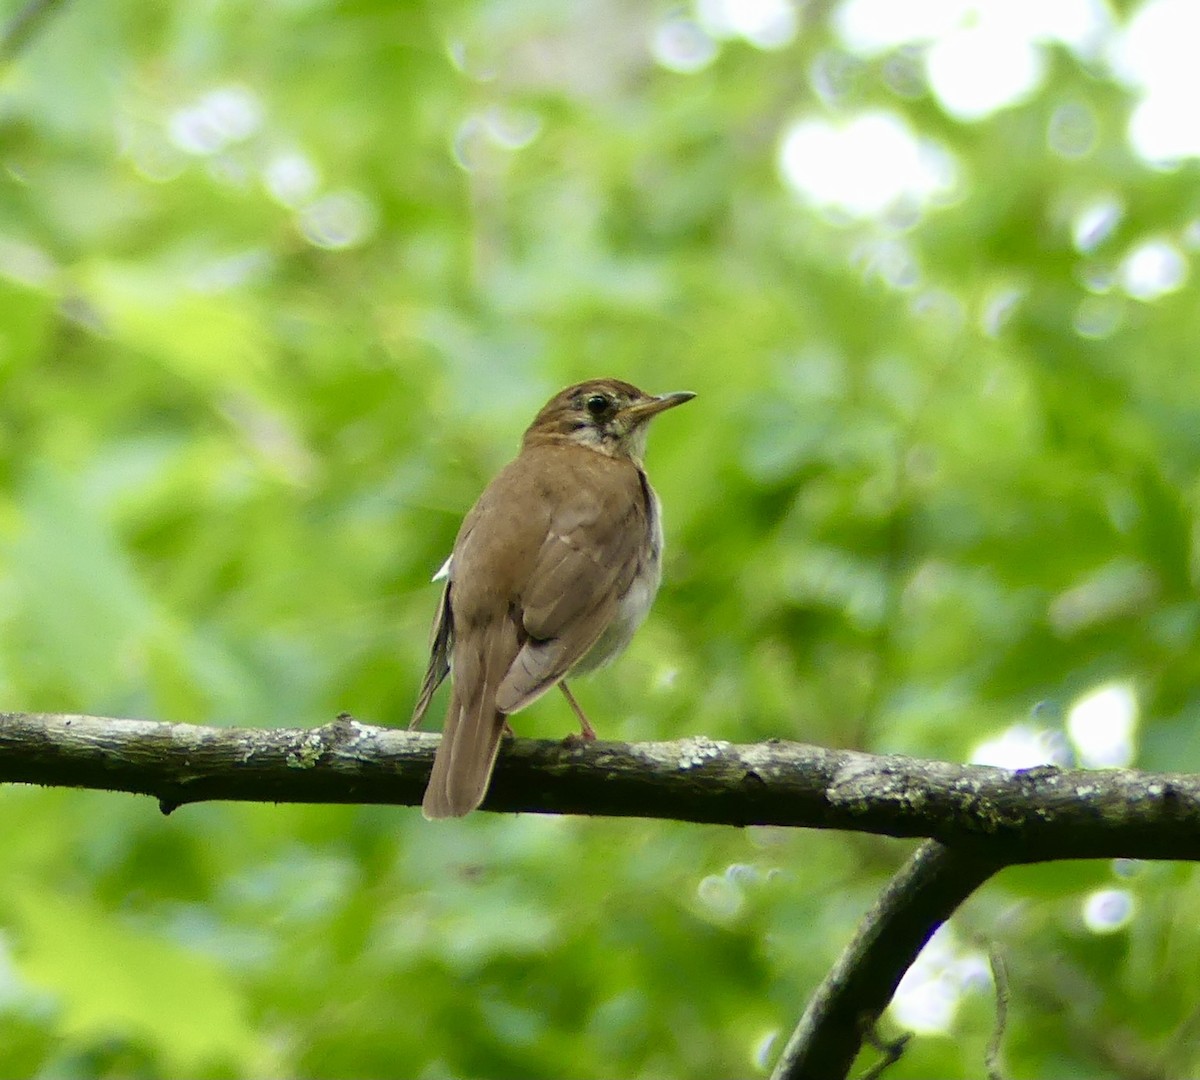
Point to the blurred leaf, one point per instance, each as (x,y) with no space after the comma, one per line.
(111,982)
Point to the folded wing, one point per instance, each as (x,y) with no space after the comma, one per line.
(585,564)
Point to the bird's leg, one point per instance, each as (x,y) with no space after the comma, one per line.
(586,731)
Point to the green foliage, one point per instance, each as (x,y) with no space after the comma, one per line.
(259,353)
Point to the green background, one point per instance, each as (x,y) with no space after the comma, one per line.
(238,431)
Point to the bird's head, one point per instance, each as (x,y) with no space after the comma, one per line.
(607,415)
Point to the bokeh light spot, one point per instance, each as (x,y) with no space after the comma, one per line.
(766,24)
(1098,317)
(1095,222)
(1106,911)
(1073,130)
(720,895)
(1101,725)
(682,45)
(25,263)
(928,997)
(762,1052)
(1156,55)
(999,307)
(980,55)
(864,166)
(977,69)
(1021,746)
(341,219)
(1153,269)
(291,179)
(485,139)
(223,116)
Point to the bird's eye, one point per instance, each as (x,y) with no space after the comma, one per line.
(597,404)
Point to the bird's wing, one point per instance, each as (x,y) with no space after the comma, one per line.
(441,646)
(585,564)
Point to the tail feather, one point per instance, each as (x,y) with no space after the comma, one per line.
(462,767)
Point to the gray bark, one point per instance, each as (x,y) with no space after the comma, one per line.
(1011,817)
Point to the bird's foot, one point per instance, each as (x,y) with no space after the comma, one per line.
(587,733)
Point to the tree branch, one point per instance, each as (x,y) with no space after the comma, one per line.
(978,818)
(847,1004)
(1013,817)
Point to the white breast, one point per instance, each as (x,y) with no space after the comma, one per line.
(633,607)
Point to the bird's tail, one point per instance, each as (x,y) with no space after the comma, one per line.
(462,767)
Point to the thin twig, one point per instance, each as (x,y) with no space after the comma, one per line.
(892,1050)
(991,1058)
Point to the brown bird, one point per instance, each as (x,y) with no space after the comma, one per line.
(553,570)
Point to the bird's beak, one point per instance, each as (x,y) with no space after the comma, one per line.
(643,410)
